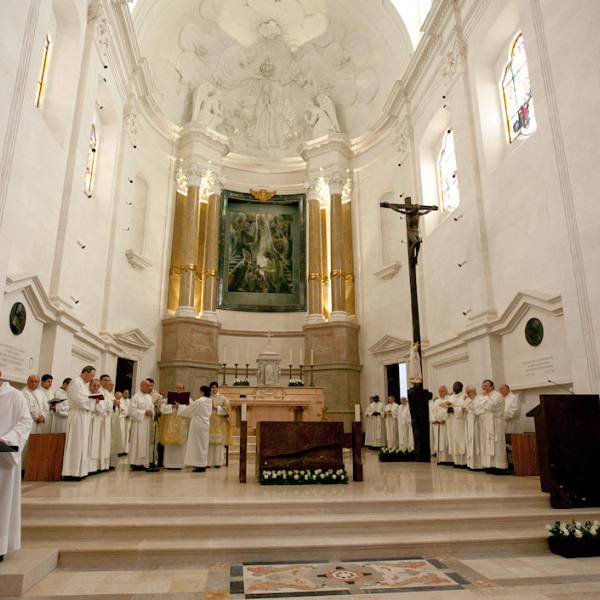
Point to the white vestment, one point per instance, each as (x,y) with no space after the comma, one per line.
(440,416)
(405,430)
(118,429)
(196,450)
(38,407)
(512,413)
(433,430)
(455,426)
(374,431)
(474,407)
(140,451)
(15,425)
(81,406)
(494,432)
(125,422)
(173,453)
(106,430)
(96,436)
(390,419)
(60,418)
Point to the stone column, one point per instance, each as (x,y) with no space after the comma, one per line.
(337,276)
(348,249)
(211,250)
(189,243)
(315,274)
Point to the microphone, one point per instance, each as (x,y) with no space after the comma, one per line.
(562,386)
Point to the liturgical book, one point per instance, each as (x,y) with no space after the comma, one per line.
(178,397)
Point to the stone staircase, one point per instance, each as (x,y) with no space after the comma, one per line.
(234,451)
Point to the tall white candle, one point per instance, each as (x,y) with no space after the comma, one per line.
(312,356)
(357,412)
(225,354)
(244,412)
(237,356)
(301,356)
(291,359)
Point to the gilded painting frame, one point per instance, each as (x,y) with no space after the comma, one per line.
(262,253)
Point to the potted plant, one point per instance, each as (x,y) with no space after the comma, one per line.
(574,539)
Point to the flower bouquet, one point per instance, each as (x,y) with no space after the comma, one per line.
(241,382)
(296,383)
(302,476)
(395,455)
(574,539)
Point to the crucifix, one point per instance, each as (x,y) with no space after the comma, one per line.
(417,396)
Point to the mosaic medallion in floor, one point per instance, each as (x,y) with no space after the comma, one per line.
(341,578)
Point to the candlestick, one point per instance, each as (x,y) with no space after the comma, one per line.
(301,373)
(235,371)
(290,372)
(244,412)
(312,383)
(291,357)
(247,370)
(225,354)
(224,367)
(357,412)
(301,356)
(312,357)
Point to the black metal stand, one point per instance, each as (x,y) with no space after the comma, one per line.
(312,381)
(224,367)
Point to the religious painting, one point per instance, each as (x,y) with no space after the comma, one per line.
(262,253)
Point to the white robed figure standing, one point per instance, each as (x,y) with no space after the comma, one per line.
(440,416)
(220,427)
(15,425)
(406,440)
(38,405)
(433,430)
(81,406)
(494,429)
(374,431)
(455,426)
(96,425)
(106,387)
(512,409)
(174,453)
(60,416)
(474,407)
(390,419)
(141,413)
(196,449)
(117,439)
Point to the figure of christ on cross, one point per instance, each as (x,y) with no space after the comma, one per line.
(418,397)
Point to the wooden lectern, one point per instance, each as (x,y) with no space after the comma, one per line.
(44,456)
(568,440)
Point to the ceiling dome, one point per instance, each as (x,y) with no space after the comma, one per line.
(271,74)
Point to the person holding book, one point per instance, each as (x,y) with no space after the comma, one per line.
(199,412)
(60,408)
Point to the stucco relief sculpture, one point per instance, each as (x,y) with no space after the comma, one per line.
(322,116)
(206,106)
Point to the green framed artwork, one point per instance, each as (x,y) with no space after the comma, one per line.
(262,264)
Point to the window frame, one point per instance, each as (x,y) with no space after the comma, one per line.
(43,74)
(444,206)
(92,160)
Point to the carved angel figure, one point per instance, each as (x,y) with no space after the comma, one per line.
(326,103)
(206,106)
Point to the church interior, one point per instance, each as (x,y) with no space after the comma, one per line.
(199,191)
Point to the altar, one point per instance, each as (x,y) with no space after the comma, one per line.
(276,403)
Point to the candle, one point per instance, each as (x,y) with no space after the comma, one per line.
(225,354)
(291,359)
(301,356)
(237,356)
(357,412)
(244,412)
(312,356)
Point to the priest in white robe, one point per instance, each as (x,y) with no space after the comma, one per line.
(106,388)
(390,419)
(46,382)
(374,430)
(220,427)
(494,430)
(440,416)
(95,441)
(406,440)
(455,426)
(81,406)
(60,408)
(117,438)
(157,401)
(175,429)
(474,407)
(196,449)
(433,430)
(141,413)
(38,405)
(126,422)
(15,425)
(512,410)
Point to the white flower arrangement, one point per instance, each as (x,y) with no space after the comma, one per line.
(575,530)
(296,382)
(241,382)
(302,476)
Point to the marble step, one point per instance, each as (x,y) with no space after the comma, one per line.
(101,554)
(81,509)
(270,526)
(21,570)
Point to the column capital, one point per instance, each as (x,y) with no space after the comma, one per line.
(314,188)
(213,184)
(336,181)
(192,172)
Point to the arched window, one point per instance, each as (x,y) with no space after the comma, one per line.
(92,159)
(516,93)
(447,178)
(43,76)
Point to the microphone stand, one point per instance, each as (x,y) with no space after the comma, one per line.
(564,387)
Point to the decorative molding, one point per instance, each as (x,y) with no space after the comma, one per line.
(389,343)
(137,261)
(260,334)
(135,338)
(192,172)
(84,354)
(451,360)
(389,271)
(335,181)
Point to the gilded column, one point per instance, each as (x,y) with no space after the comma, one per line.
(211,248)
(200,262)
(315,273)
(348,248)
(336,228)
(189,243)
(174,270)
(325,264)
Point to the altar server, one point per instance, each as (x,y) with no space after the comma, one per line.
(374,426)
(96,425)
(455,426)
(141,413)
(220,427)
(405,431)
(60,410)
(390,419)
(440,415)
(494,430)
(15,425)
(196,449)
(46,381)
(106,388)
(512,409)
(38,405)
(157,402)
(474,407)
(174,432)
(126,422)
(81,406)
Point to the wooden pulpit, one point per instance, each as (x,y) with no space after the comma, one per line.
(568,441)
(44,456)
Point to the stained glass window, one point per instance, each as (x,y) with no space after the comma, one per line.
(448,180)
(41,83)
(90,169)
(516,93)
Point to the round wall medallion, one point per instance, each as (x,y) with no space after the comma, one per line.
(17,318)
(534,332)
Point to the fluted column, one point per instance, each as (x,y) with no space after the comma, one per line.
(315,274)
(336,228)
(211,249)
(175,269)
(348,249)
(189,242)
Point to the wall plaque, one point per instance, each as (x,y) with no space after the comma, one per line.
(17,318)
(534,332)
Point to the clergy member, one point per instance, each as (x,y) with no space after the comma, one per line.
(474,407)
(46,382)
(117,438)
(141,413)
(374,430)
(60,408)
(199,411)
(107,386)
(126,426)
(433,430)
(440,415)
(157,402)
(38,405)
(96,425)
(455,426)
(174,432)
(405,431)
(15,425)
(81,406)
(220,427)
(494,430)
(512,409)
(390,419)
